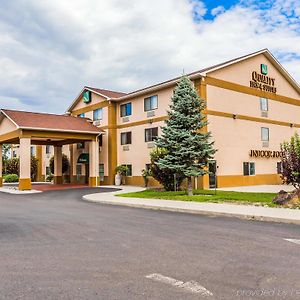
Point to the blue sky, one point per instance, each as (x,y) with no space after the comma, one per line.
(50,49)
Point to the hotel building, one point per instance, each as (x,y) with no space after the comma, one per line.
(252,105)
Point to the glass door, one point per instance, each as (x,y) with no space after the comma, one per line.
(212,168)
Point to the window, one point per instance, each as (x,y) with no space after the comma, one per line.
(264,104)
(14,153)
(265,134)
(81,115)
(151,134)
(48,171)
(32,150)
(126,138)
(47,149)
(279,167)
(125,109)
(150,103)
(148,166)
(80,145)
(248,168)
(129,171)
(97,114)
(100,139)
(78,169)
(101,172)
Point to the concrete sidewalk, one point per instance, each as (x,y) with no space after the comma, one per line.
(261,213)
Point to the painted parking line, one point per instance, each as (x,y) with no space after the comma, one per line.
(190,286)
(295,241)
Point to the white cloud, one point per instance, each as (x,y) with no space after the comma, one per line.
(218,10)
(50,49)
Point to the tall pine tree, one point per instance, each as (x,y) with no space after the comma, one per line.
(188,146)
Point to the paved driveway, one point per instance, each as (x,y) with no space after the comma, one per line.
(55,246)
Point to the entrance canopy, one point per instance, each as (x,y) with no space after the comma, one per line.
(28,128)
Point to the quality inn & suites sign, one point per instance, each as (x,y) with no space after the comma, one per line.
(263,82)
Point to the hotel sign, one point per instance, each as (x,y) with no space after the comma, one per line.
(265,153)
(263,82)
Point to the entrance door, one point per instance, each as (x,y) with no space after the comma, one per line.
(87,173)
(212,168)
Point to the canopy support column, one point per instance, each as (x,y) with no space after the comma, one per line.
(25,164)
(58,165)
(93,163)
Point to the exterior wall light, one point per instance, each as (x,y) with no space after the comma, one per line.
(234,116)
(291,125)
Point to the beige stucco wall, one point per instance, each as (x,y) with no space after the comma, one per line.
(235,138)
(138,154)
(138,113)
(95,99)
(241,73)
(7,126)
(243,104)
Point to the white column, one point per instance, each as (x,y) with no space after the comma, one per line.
(94,162)
(25,164)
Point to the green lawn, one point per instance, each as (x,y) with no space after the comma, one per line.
(207,196)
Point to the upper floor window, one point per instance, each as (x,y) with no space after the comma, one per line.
(97,114)
(151,134)
(126,138)
(264,104)
(125,109)
(150,103)
(81,115)
(265,136)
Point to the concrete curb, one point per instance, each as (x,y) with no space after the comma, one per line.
(208,212)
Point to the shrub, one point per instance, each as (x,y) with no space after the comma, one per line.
(290,160)
(165,177)
(122,170)
(65,164)
(12,165)
(11,178)
(146,173)
(49,178)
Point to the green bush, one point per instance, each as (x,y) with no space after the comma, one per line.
(11,166)
(11,178)
(165,177)
(65,164)
(49,178)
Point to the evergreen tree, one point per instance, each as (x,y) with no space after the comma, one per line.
(187,145)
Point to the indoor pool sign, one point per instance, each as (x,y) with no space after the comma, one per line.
(262,81)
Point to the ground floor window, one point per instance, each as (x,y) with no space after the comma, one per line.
(249,168)
(129,172)
(101,172)
(78,169)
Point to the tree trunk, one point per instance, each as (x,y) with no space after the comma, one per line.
(190,187)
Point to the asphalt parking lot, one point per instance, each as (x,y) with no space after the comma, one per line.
(55,246)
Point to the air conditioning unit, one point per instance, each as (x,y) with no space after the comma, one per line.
(150,113)
(125,148)
(97,122)
(264,114)
(265,144)
(125,119)
(151,145)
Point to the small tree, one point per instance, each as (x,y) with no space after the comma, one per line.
(12,166)
(166,177)
(65,164)
(188,146)
(290,161)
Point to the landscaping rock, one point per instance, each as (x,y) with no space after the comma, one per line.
(291,200)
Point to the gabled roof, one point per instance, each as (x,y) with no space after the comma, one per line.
(107,94)
(49,122)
